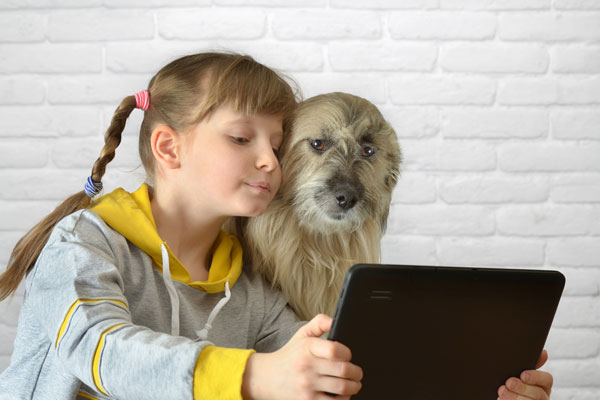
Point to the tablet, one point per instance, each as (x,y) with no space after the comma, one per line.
(432,333)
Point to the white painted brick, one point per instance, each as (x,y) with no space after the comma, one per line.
(494,189)
(407,90)
(49,3)
(4,362)
(9,315)
(95,89)
(574,252)
(573,393)
(494,123)
(581,281)
(576,373)
(21,90)
(82,153)
(552,156)
(576,4)
(442,25)
(46,58)
(362,56)
(435,155)
(548,220)
(76,153)
(408,250)
(414,188)
(132,127)
(583,312)
(150,57)
(575,124)
(326,24)
(127,179)
(576,189)
(368,86)
(496,4)
(271,3)
(154,3)
(22,215)
(439,220)
(525,91)
(413,122)
(9,333)
(82,25)
(549,27)
(385,4)
(22,154)
(8,240)
(491,252)
(41,184)
(22,26)
(573,343)
(579,91)
(211,23)
(494,58)
(576,58)
(49,121)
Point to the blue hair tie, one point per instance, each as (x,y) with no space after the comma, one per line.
(92,187)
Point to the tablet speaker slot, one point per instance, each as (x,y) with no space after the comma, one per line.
(381,294)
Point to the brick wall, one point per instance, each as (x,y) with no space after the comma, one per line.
(496,104)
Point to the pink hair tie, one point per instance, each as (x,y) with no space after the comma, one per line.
(142,100)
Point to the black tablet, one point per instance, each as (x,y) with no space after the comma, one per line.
(433,333)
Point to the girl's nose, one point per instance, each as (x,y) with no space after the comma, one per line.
(267,160)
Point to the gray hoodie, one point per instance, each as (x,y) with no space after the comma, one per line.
(109,313)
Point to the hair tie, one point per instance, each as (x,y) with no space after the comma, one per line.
(92,187)
(142,100)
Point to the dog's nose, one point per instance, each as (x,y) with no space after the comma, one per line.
(346,199)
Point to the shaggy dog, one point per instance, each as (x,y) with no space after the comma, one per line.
(340,162)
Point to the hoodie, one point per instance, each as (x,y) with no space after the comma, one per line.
(111,313)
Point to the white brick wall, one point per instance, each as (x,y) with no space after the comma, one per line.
(496,104)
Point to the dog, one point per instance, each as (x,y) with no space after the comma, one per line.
(340,162)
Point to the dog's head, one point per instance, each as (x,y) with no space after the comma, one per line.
(340,161)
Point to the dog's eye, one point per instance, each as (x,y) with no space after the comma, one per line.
(318,144)
(367,151)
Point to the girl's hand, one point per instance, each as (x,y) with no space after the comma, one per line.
(532,385)
(307,367)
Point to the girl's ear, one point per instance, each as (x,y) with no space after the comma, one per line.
(165,143)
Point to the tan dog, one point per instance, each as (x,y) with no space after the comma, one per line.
(340,161)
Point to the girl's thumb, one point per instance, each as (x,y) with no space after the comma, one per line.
(316,327)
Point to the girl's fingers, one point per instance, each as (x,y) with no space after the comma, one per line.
(542,360)
(330,350)
(339,369)
(515,389)
(337,386)
(541,379)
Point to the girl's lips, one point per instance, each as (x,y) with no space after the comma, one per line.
(264,187)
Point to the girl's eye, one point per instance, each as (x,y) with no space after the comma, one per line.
(318,144)
(367,151)
(240,139)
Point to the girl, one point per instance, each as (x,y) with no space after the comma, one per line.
(143,295)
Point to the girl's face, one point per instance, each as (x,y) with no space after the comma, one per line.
(229,163)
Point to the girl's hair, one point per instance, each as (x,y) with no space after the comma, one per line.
(182,93)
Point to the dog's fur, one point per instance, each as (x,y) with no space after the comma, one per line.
(332,207)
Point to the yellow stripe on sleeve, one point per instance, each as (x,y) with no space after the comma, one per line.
(63,326)
(86,396)
(96,361)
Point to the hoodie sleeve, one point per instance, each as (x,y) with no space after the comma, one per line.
(77,289)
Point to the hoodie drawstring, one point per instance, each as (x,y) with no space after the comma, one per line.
(202,334)
(172,292)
